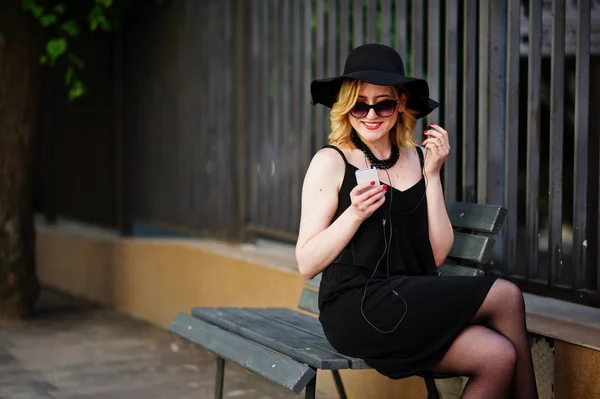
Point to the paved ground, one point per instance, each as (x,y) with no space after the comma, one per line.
(75,350)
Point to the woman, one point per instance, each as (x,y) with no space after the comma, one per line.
(378,246)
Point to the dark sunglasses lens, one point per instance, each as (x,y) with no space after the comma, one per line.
(385,108)
(360,110)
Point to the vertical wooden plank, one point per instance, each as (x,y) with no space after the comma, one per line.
(122,219)
(254,102)
(492,110)
(401,30)
(284,166)
(241,60)
(265,128)
(582,98)
(234,98)
(512,133)
(297,107)
(416,46)
(344,29)
(332,32)
(451,83)
(203,122)
(225,125)
(357,19)
(212,109)
(319,134)
(534,71)
(307,148)
(434,52)
(483,105)
(557,92)
(492,90)
(386,22)
(469,168)
(275,194)
(332,29)
(371,21)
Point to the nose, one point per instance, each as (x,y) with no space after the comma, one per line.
(371,114)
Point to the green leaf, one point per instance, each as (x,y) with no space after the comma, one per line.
(94,17)
(77,61)
(43,59)
(47,20)
(105,3)
(59,9)
(69,75)
(105,23)
(56,47)
(28,5)
(37,10)
(77,90)
(70,27)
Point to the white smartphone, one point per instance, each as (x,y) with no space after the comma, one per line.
(367,175)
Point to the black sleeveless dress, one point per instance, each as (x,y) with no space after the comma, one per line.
(382,299)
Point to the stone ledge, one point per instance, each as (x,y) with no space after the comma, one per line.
(565,321)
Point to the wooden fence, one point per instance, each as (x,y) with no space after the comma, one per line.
(215,130)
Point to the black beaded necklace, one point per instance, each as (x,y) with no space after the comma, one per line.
(375,162)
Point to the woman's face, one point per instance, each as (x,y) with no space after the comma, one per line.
(373,127)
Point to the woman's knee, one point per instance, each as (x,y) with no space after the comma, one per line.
(503,296)
(511,294)
(499,357)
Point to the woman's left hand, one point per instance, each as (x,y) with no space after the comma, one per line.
(438,148)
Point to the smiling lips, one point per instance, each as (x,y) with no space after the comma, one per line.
(372,125)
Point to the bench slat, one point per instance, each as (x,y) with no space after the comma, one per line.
(271,365)
(458,270)
(315,281)
(476,217)
(472,248)
(280,337)
(308,324)
(309,301)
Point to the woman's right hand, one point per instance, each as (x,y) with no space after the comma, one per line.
(366,200)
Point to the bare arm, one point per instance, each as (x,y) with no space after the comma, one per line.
(319,240)
(441,234)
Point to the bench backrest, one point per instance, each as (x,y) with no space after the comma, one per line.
(475,228)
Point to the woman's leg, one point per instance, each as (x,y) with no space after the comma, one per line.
(486,357)
(504,310)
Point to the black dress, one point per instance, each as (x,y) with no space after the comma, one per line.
(389,306)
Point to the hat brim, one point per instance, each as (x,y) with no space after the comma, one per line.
(325,91)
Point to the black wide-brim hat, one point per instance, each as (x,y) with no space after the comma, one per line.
(379,65)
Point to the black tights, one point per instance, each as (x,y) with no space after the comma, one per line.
(494,352)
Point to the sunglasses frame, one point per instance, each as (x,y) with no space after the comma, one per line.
(374,109)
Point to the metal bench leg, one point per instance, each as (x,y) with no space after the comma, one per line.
(311,389)
(219,379)
(339,384)
(432,392)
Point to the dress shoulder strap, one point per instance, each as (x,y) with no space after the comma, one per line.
(339,152)
(421,159)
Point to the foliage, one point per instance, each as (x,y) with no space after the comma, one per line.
(65,19)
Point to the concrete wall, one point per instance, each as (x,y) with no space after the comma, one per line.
(153,279)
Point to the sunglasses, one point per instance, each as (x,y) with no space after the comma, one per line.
(383,108)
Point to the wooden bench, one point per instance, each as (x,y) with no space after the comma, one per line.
(287,347)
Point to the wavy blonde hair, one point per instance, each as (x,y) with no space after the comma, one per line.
(341,128)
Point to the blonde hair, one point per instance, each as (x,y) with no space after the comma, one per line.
(341,128)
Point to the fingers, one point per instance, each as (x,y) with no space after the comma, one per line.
(439,134)
(369,200)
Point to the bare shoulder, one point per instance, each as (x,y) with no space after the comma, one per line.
(326,167)
(328,157)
